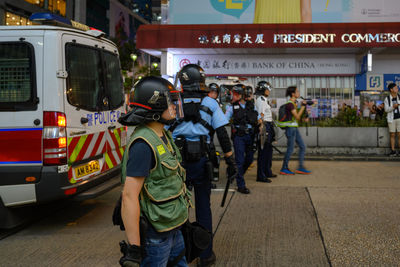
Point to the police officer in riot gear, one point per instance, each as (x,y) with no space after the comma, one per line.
(215,91)
(244,123)
(264,159)
(203,117)
(146,163)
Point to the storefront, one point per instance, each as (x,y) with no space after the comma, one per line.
(329,62)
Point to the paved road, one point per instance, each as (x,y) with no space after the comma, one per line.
(344,214)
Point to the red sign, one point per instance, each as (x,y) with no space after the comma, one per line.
(269,35)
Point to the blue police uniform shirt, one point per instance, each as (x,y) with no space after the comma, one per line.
(192,131)
(229,112)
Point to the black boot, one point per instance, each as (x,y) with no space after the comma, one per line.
(264,180)
(207,261)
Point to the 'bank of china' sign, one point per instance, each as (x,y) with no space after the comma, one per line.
(270,64)
(301,38)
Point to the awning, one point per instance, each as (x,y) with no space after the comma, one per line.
(270,38)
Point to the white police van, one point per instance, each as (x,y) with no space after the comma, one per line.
(61,94)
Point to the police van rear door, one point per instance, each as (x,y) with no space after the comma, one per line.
(21,58)
(90,122)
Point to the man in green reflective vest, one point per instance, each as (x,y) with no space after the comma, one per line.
(292,132)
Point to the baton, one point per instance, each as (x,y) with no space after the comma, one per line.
(226,190)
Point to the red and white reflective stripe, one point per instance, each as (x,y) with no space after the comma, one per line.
(96,146)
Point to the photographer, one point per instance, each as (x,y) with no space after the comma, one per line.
(292,132)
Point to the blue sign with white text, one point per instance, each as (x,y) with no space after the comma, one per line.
(104,117)
(391,78)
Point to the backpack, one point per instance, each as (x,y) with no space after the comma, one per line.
(283,115)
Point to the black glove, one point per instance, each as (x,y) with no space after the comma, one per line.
(232,169)
(132,255)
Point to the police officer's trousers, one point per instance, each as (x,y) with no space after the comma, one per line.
(196,176)
(264,159)
(244,155)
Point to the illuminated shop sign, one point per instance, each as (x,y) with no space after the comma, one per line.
(269,64)
(235,38)
(301,38)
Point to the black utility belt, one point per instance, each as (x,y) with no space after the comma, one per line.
(241,130)
(192,151)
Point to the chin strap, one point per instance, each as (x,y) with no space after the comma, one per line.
(166,122)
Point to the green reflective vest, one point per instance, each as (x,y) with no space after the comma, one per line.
(164,199)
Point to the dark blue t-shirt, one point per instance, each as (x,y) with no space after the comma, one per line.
(141,159)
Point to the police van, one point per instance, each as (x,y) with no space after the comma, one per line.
(61,94)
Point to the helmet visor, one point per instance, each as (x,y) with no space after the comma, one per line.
(175,105)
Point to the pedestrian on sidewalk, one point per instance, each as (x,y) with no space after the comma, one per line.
(392,109)
(154,180)
(292,132)
(264,159)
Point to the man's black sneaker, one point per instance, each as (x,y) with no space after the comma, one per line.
(244,190)
(392,153)
(207,261)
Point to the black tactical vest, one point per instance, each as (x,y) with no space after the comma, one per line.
(244,116)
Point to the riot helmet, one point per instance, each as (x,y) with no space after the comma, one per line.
(239,89)
(192,79)
(214,87)
(152,96)
(262,86)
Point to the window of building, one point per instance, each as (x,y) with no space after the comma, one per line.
(16,20)
(55,6)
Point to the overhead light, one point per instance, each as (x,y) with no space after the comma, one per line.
(369,61)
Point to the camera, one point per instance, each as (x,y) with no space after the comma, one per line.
(309,102)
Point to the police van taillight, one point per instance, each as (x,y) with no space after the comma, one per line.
(54,138)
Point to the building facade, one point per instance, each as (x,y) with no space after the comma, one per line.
(343,54)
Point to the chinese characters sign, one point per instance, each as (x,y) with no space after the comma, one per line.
(300,38)
(270,64)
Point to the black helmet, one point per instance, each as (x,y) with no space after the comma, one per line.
(214,87)
(262,86)
(239,89)
(192,79)
(152,96)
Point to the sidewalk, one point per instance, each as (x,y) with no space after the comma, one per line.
(343,214)
(346,213)
(330,157)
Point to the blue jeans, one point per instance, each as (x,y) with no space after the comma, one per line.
(244,155)
(163,247)
(293,135)
(196,175)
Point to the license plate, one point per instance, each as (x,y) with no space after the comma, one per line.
(89,168)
